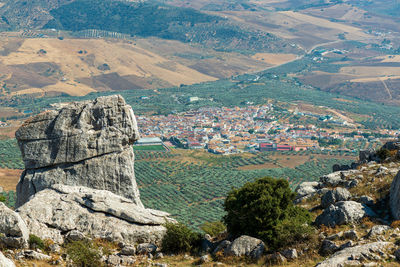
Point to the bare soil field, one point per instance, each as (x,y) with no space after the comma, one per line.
(373,71)
(274,59)
(77,66)
(9,131)
(9,179)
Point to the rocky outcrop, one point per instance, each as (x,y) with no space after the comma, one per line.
(335,195)
(13,230)
(79,180)
(246,246)
(395,197)
(5,262)
(354,256)
(54,212)
(343,212)
(80,144)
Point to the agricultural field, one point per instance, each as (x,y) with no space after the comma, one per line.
(192,184)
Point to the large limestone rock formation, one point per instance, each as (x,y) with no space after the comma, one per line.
(60,209)
(83,143)
(80,176)
(395,197)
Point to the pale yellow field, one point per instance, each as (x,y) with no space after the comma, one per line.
(353,32)
(126,59)
(71,88)
(368,72)
(274,59)
(392,58)
(374,79)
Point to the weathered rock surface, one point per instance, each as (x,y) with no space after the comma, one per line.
(335,195)
(81,144)
(5,262)
(343,212)
(378,230)
(13,230)
(395,197)
(244,245)
(354,255)
(54,212)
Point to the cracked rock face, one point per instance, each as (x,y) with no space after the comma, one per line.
(81,144)
(79,175)
(95,213)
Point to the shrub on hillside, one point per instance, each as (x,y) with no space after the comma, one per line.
(265,209)
(213,228)
(36,242)
(179,238)
(84,253)
(383,153)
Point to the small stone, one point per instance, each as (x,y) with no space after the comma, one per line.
(290,254)
(113,260)
(31,254)
(160,264)
(146,248)
(336,236)
(187,257)
(204,259)
(75,235)
(378,230)
(55,248)
(275,258)
(159,255)
(328,247)
(351,234)
(128,251)
(346,245)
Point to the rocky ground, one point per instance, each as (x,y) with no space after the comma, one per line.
(78,204)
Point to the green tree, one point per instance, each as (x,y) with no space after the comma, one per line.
(265,209)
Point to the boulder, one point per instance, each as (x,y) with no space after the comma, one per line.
(328,247)
(290,254)
(80,144)
(204,259)
(128,251)
(335,195)
(146,248)
(343,212)
(307,190)
(13,230)
(60,209)
(34,255)
(353,256)
(5,262)
(351,234)
(332,179)
(378,230)
(366,200)
(395,197)
(243,246)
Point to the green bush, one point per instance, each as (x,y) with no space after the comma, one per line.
(213,228)
(84,253)
(36,242)
(179,238)
(3,198)
(265,209)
